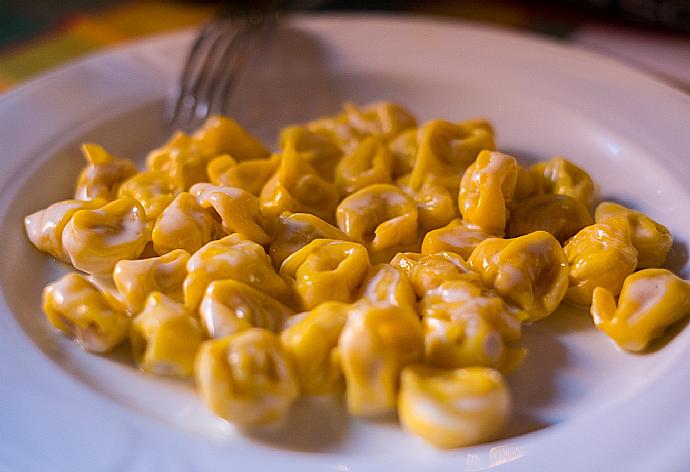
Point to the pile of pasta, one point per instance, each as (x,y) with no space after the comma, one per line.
(371,257)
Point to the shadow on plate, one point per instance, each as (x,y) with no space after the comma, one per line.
(312,425)
(533,384)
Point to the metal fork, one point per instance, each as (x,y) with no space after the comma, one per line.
(214,63)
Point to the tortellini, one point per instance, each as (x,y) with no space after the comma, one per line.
(318,147)
(297,187)
(181,159)
(223,135)
(453,408)
(366,256)
(380,216)
(651,239)
(375,344)
(246,378)
(250,175)
(232,257)
(136,279)
(103,175)
(388,285)
(465,324)
(530,271)
(435,205)
(650,301)
(562,177)
(326,269)
(311,340)
(155,190)
(165,337)
(428,271)
(76,306)
(230,306)
(600,255)
(455,237)
(385,119)
(292,231)
(45,227)
(486,191)
(447,149)
(560,215)
(238,211)
(184,224)
(96,239)
(369,163)
(403,148)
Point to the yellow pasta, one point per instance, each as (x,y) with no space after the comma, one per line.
(76,307)
(381,216)
(96,239)
(165,337)
(103,175)
(251,270)
(326,269)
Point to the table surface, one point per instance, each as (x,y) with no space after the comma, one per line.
(34,40)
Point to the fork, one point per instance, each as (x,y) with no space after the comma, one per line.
(214,63)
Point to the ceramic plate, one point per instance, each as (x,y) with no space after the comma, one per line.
(580,404)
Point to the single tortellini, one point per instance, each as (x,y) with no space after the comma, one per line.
(96,239)
(465,324)
(375,344)
(562,177)
(165,337)
(436,206)
(427,271)
(447,149)
(136,279)
(230,306)
(239,211)
(250,176)
(454,237)
(311,341)
(181,159)
(486,191)
(369,163)
(404,148)
(77,308)
(292,231)
(45,227)
(530,271)
(600,255)
(650,301)
(560,215)
(232,257)
(103,175)
(246,378)
(297,187)
(652,240)
(388,285)
(380,216)
(453,408)
(385,119)
(223,135)
(184,224)
(318,147)
(326,269)
(155,190)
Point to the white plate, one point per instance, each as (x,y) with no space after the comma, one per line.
(580,404)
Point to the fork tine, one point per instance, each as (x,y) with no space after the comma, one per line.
(223,88)
(219,39)
(217,71)
(183,83)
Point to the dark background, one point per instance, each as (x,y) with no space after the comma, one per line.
(20,20)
